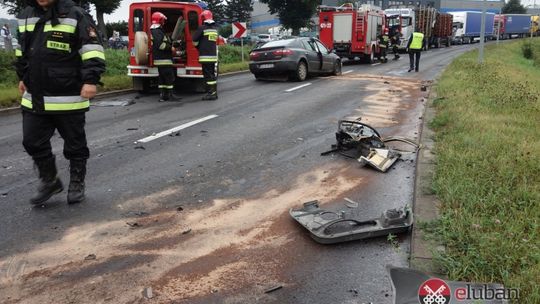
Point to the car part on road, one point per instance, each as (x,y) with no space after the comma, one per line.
(328,227)
(269,290)
(409,284)
(362,142)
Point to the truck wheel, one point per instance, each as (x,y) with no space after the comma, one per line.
(141,48)
(301,71)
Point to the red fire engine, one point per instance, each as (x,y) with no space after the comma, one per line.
(352,32)
(186,57)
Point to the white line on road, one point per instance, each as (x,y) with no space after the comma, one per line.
(347,72)
(298,87)
(176,129)
(376,63)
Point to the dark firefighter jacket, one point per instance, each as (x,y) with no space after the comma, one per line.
(205,38)
(59,51)
(161,47)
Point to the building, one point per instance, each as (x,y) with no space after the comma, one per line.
(261,19)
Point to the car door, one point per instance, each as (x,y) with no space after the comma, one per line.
(328,59)
(312,55)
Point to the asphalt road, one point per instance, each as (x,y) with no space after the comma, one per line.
(201,215)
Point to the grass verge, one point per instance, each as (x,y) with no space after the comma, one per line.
(488,170)
(233,67)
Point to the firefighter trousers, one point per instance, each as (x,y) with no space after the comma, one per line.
(39,128)
(166,77)
(414,64)
(209,73)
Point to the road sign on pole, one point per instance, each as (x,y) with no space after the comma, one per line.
(239,31)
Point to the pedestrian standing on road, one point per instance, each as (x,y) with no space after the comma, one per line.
(205,38)
(59,63)
(5,34)
(162,56)
(415,46)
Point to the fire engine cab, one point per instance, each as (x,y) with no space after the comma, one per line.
(183,19)
(352,32)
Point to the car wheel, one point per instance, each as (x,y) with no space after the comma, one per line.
(301,71)
(258,77)
(337,68)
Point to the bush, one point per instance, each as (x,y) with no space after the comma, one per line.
(117,62)
(527,49)
(7,70)
(233,54)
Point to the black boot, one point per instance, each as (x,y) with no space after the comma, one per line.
(77,171)
(49,183)
(212,93)
(163,96)
(171,96)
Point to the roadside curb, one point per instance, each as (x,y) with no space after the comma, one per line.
(426,205)
(109,94)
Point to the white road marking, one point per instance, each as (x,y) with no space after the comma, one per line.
(376,63)
(298,87)
(176,129)
(347,72)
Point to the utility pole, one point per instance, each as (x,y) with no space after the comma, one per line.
(482,34)
(499,25)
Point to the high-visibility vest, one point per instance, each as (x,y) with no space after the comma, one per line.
(417,41)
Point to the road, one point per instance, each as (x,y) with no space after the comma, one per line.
(201,215)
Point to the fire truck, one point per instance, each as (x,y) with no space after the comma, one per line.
(350,31)
(185,58)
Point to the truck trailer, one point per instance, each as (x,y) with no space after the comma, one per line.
(442,31)
(350,31)
(466,26)
(508,25)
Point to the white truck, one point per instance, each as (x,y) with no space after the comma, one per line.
(401,20)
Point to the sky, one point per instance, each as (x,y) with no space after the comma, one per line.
(122,13)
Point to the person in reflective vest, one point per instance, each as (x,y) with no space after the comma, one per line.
(205,38)
(60,59)
(383,46)
(162,56)
(415,46)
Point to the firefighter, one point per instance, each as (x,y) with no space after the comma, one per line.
(416,43)
(383,46)
(205,38)
(162,50)
(60,60)
(395,41)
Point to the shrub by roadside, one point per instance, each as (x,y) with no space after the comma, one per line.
(488,170)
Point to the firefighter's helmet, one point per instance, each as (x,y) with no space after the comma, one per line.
(207,16)
(158,18)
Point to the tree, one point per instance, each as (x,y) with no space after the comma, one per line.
(104,7)
(238,10)
(121,27)
(225,31)
(217,8)
(294,14)
(514,7)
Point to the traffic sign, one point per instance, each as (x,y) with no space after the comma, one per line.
(239,29)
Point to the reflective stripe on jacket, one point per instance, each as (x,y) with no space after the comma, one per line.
(205,38)
(59,51)
(161,47)
(417,41)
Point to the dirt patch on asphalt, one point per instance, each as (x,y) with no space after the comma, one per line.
(184,256)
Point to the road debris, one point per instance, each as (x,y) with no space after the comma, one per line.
(132,129)
(350,203)
(328,227)
(180,208)
(277,287)
(186,231)
(140,148)
(148,293)
(90,257)
(363,143)
(114,103)
(134,224)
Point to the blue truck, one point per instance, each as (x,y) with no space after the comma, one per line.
(509,25)
(466,26)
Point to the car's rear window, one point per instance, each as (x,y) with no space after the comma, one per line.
(279,43)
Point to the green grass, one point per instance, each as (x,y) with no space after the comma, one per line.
(115,77)
(488,169)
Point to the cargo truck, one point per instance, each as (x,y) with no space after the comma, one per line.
(350,31)
(466,26)
(401,21)
(512,25)
(424,21)
(442,31)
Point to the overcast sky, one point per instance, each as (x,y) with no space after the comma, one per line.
(123,12)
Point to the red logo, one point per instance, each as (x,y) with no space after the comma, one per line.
(434,291)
